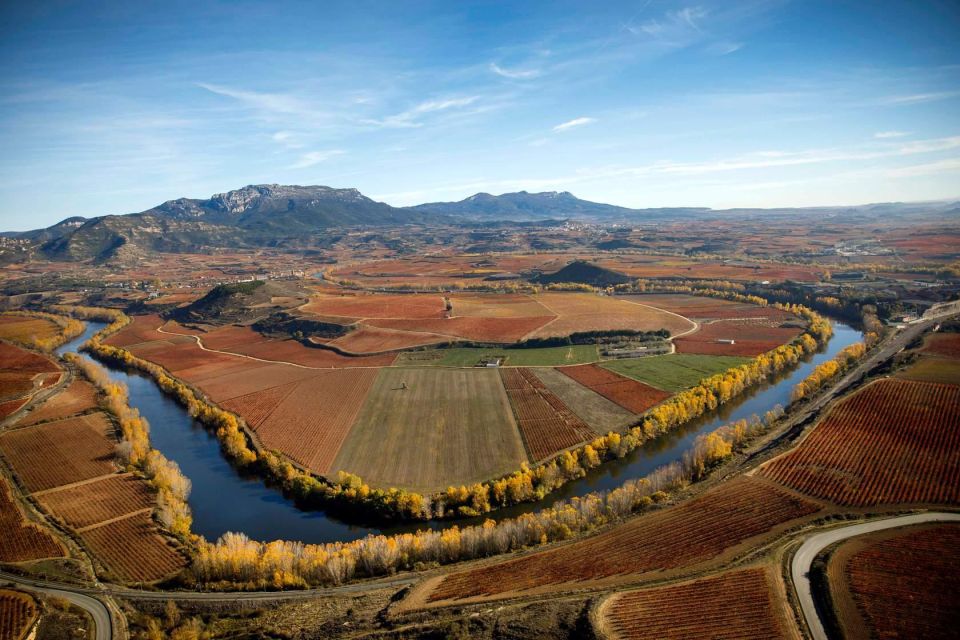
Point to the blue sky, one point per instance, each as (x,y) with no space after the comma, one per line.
(116,107)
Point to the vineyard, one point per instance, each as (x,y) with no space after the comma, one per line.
(600,413)
(257,406)
(22,540)
(736,604)
(546,423)
(92,502)
(629,394)
(132,548)
(893,442)
(750,338)
(375,340)
(906,586)
(79,396)
(377,306)
(943,344)
(58,453)
(21,328)
(497,306)
(590,312)
(310,423)
(18,613)
(682,536)
(701,308)
(469,327)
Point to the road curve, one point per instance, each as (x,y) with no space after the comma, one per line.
(805,555)
(102,620)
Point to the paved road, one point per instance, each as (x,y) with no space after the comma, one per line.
(800,567)
(92,605)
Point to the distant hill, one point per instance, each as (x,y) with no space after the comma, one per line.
(525,206)
(583,272)
(240,303)
(256,215)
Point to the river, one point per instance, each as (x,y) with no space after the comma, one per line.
(224,499)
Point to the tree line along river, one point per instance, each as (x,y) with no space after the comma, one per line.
(225,499)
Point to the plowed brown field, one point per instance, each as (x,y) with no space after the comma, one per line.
(20,539)
(691,533)
(737,604)
(892,442)
(626,392)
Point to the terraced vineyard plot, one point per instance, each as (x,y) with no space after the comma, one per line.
(892,442)
(546,424)
(18,613)
(736,604)
(675,371)
(904,586)
(133,549)
(682,536)
(600,413)
(58,453)
(310,424)
(629,394)
(426,429)
(20,539)
(78,397)
(89,503)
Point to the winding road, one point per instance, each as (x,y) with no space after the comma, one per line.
(800,567)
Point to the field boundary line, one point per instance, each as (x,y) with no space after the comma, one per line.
(696,325)
(79,483)
(126,516)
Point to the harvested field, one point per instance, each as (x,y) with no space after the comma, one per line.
(79,396)
(675,371)
(133,549)
(471,356)
(892,442)
(86,504)
(470,328)
(601,414)
(413,305)
(21,328)
(447,427)
(902,584)
(943,344)
(58,453)
(740,604)
(374,340)
(692,533)
(703,308)
(22,540)
(933,370)
(590,312)
(547,425)
(140,329)
(18,614)
(751,338)
(631,395)
(311,422)
(508,305)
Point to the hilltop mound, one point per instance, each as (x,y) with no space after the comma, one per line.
(241,303)
(583,272)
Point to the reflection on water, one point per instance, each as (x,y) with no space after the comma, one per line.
(224,499)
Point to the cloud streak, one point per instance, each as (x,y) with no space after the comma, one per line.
(514,74)
(572,124)
(312,158)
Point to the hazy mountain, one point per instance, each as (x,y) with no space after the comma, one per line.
(525,206)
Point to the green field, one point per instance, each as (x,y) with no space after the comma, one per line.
(933,370)
(427,429)
(675,371)
(469,357)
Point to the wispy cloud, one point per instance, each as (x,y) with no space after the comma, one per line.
(673,23)
(724,48)
(890,134)
(275,102)
(576,122)
(918,98)
(312,158)
(288,139)
(410,117)
(929,168)
(514,74)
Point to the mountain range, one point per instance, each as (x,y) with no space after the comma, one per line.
(271,215)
